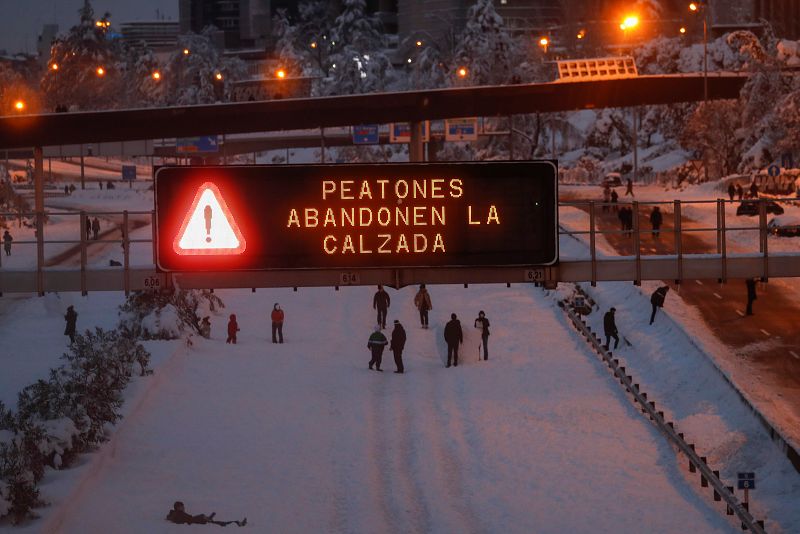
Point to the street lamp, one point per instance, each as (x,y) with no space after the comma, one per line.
(544,42)
(19,105)
(156,75)
(462,72)
(218,76)
(280,73)
(100,71)
(54,66)
(185,51)
(695,7)
(682,30)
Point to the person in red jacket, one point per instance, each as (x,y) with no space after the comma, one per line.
(277,323)
(233,327)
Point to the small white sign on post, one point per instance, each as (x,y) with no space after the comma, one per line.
(465,129)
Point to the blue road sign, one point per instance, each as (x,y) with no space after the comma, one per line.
(773,170)
(747,481)
(366,134)
(129,172)
(204,144)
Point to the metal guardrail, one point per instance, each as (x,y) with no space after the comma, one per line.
(678,261)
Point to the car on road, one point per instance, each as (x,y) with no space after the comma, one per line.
(612,179)
(784,226)
(750,208)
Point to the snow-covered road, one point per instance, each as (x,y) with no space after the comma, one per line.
(301,437)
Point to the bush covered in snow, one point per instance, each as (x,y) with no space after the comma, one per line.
(64,415)
(165,314)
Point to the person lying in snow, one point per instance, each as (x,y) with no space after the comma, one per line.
(179,516)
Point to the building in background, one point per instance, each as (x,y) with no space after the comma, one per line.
(159,35)
(45,41)
(782,15)
(243,23)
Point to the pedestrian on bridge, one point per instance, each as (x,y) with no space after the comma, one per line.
(7,239)
(397,345)
(88,228)
(96,228)
(754,190)
(606,197)
(614,199)
(71,317)
(731,190)
(377,342)
(277,323)
(751,294)
(482,323)
(381,302)
(610,328)
(656,218)
(739,192)
(454,336)
(657,300)
(422,300)
(629,188)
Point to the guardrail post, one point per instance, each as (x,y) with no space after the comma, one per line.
(678,249)
(762,230)
(125,254)
(38,186)
(723,241)
(592,242)
(637,244)
(82,231)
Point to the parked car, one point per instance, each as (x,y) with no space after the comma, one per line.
(612,179)
(784,226)
(750,208)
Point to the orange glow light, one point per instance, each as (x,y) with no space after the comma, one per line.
(156,75)
(19,105)
(100,71)
(209,228)
(462,72)
(419,43)
(544,41)
(218,76)
(54,66)
(693,7)
(185,51)
(682,30)
(631,21)
(314,44)
(280,73)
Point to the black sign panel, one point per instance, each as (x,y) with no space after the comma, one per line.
(356,216)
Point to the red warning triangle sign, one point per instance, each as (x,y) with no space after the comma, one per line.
(209,229)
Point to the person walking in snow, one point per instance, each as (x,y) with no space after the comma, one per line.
(88,228)
(377,342)
(96,228)
(179,516)
(233,327)
(656,218)
(606,197)
(381,302)
(657,300)
(629,188)
(751,294)
(422,301)
(739,192)
(7,239)
(454,336)
(277,323)
(71,317)
(614,199)
(610,328)
(482,323)
(754,190)
(731,191)
(397,345)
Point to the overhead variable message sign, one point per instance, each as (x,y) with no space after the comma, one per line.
(356,216)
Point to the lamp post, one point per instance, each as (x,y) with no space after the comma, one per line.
(703,7)
(629,23)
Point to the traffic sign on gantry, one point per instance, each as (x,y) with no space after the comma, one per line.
(356,216)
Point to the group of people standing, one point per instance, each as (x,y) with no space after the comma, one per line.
(453,334)
(92,228)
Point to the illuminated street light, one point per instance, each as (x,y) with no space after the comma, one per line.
(314,44)
(630,22)
(408,60)
(54,66)
(693,7)
(462,72)
(100,71)
(185,51)
(156,75)
(218,76)
(280,73)
(581,34)
(419,43)
(19,105)
(543,42)
(682,29)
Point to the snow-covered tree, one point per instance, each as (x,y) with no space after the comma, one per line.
(486,47)
(713,130)
(15,87)
(288,45)
(315,28)
(85,70)
(358,62)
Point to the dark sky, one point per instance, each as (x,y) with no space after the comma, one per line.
(21,20)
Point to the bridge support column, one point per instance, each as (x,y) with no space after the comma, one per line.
(416,149)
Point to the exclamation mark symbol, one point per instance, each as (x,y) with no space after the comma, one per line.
(207,215)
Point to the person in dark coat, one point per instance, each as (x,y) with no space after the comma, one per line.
(610,328)
(739,191)
(454,336)
(381,302)
(233,327)
(88,228)
(397,345)
(377,342)
(753,190)
(7,239)
(751,294)
(96,228)
(482,323)
(179,516)
(656,218)
(629,188)
(422,300)
(731,190)
(277,323)
(71,317)
(657,300)
(614,199)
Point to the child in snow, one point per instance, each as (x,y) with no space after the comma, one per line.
(233,327)
(179,516)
